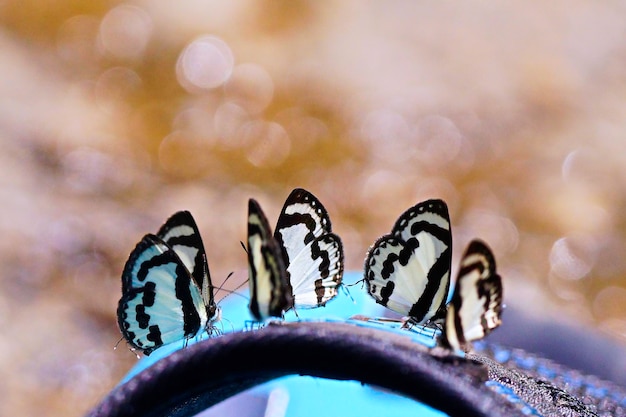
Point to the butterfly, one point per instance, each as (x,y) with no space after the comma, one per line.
(312,254)
(167,294)
(476,304)
(408,270)
(269,287)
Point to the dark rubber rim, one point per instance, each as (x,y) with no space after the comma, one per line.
(197,377)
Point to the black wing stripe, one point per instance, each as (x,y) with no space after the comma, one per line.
(302,196)
(317,253)
(259,233)
(392,257)
(254,232)
(182,285)
(174,235)
(288,220)
(278,301)
(434,229)
(139,295)
(435,275)
(477,282)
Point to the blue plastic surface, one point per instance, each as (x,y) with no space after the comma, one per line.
(305,396)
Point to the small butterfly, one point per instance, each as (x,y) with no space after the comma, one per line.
(312,254)
(167,294)
(476,304)
(269,287)
(408,270)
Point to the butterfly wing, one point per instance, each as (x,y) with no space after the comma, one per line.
(408,270)
(317,272)
(269,288)
(476,304)
(312,254)
(160,302)
(181,233)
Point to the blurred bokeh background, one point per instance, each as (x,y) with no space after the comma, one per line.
(115,115)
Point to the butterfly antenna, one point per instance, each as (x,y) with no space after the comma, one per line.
(361,281)
(230,274)
(244,247)
(118,342)
(241,285)
(233,292)
(132,349)
(221,287)
(229,292)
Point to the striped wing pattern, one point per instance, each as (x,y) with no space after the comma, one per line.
(160,302)
(312,254)
(408,270)
(269,287)
(476,304)
(181,233)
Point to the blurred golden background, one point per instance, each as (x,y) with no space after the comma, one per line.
(115,115)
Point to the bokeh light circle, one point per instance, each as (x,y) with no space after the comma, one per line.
(205,64)
(573,257)
(125,31)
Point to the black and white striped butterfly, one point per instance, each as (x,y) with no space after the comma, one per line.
(476,304)
(269,286)
(408,270)
(167,295)
(311,255)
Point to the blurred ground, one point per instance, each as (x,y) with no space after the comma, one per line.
(113,116)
